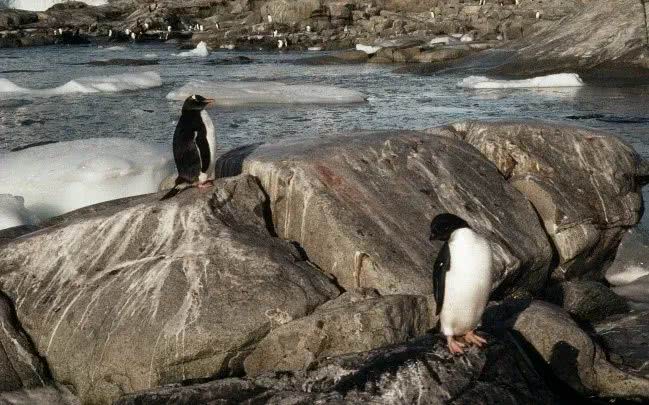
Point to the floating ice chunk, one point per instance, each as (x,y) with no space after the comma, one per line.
(115,48)
(368,49)
(315,48)
(13,212)
(200,51)
(444,40)
(86,85)
(557,80)
(64,176)
(247,93)
(466,38)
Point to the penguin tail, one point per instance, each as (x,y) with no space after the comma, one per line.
(180,186)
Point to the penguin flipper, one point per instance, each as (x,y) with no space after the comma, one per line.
(441,267)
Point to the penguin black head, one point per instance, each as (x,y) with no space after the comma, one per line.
(444,225)
(196,103)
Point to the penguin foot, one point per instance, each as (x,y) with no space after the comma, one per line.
(473,339)
(454,346)
(205,184)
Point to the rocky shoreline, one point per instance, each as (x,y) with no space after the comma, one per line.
(542,36)
(305,275)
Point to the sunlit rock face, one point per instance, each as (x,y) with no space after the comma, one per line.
(584,185)
(138,293)
(361,206)
(42,5)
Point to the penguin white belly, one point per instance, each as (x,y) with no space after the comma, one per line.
(467,283)
(211,141)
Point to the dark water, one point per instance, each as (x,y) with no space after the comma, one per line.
(395,100)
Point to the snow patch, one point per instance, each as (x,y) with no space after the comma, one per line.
(61,177)
(556,80)
(368,49)
(200,51)
(87,85)
(13,212)
(248,93)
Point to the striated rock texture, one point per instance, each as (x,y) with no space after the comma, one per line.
(420,371)
(360,206)
(585,185)
(20,365)
(137,293)
(602,34)
(572,356)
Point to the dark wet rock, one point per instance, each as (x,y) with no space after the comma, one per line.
(586,300)
(572,356)
(337,58)
(626,341)
(606,32)
(236,60)
(360,206)
(353,322)
(136,293)
(123,62)
(20,365)
(50,395)
(585,186)
(420,370)
(419,55)
(11,18)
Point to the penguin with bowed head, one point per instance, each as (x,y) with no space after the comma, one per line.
(462,278)
(194,146)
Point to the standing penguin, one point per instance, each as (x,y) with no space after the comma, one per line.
(462,278)
(194,146)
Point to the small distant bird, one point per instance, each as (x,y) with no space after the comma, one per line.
(275,34)
(110,33)
(56,32)
(280,44)
(483,2)
(146,26)
(217,26)
(432,15)
(201,28)
(270,18)
(60,31)
(168,28)
(345,29)
(127,32)
(133,36)
(194,146)
(517,2)
(308,28)
(462,277)
(538,15)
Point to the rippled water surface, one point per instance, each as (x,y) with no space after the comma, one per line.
(394,100)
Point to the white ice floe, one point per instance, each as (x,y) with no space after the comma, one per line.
(115,48)
(444,40)
(199,52)
(13,212)
(85,85)
(61,177)
(557,80)
(315,48)
(368,49)
(247,93)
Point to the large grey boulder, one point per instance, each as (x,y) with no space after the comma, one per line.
(353,322)
(585,185)
(572,355)
(626,340)
(421,371)
(603,33)
(586,300)
(136,293)
(360,206)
